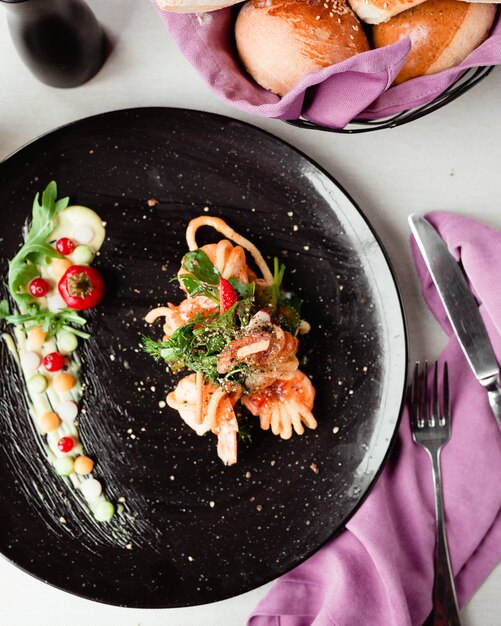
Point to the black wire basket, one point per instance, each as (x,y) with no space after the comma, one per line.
(468,80)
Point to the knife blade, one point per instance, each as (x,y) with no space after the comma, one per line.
(461,308)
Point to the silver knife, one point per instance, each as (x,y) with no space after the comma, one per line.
(461,308)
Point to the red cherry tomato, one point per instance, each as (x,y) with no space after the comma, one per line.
(81,287)
(39,287)
(66,444)
(227,295)
(53,362)
(65,246)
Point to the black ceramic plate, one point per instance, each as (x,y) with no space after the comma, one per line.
(195,531)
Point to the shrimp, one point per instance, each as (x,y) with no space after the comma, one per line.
(217,411)
(285,405)
(222,227)
(182,314)
(269,351)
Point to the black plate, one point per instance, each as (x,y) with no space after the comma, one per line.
(197,531)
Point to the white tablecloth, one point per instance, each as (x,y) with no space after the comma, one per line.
(449,160)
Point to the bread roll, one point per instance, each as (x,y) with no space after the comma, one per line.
(377,11)
(280,41)
(194,6)
(442,32)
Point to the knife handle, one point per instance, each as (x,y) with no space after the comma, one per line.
(494,394)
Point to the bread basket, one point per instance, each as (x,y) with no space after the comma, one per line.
(354,96)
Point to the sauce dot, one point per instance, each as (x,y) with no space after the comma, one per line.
(91,489)
(30,361)
(84,234)
(68,410)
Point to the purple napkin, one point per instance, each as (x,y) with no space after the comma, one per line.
(379,571)
(356,88)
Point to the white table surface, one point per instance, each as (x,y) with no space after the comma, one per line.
(449,160)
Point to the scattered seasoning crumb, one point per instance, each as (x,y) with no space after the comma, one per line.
(364,368)
(306,248)
(171,477)
(129,430)
(314,468)
(152,202)
(272,462)
(295,228)
(290,213)
(212,504)
(143,429)
(259,507)
(112,357)
(62,520)
(206,209)
(248,474)
(164,268)
(128,546)
(153,388)
(190,558)
(335,429)
(350,392)
(162,404)
(121,499)
(133,436)
(318,17)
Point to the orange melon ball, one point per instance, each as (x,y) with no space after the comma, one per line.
(49,421)
(58,267)
(63,382)
(83,465)
(36,337)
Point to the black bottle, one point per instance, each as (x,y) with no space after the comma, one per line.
(60,41)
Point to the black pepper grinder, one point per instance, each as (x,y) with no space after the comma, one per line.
(60,41)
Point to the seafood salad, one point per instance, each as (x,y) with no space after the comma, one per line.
(237,333)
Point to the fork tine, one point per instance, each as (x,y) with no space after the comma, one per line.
(446,412)
(426,404)
(435,402)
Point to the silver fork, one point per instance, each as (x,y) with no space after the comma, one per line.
(431,429)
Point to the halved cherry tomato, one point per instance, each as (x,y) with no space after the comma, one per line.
(81,287)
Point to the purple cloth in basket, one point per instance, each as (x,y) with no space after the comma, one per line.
(356,88)
(379,571)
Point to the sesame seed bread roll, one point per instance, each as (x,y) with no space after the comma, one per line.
(442,32)
(281,41)
(194,6)
(377,11)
